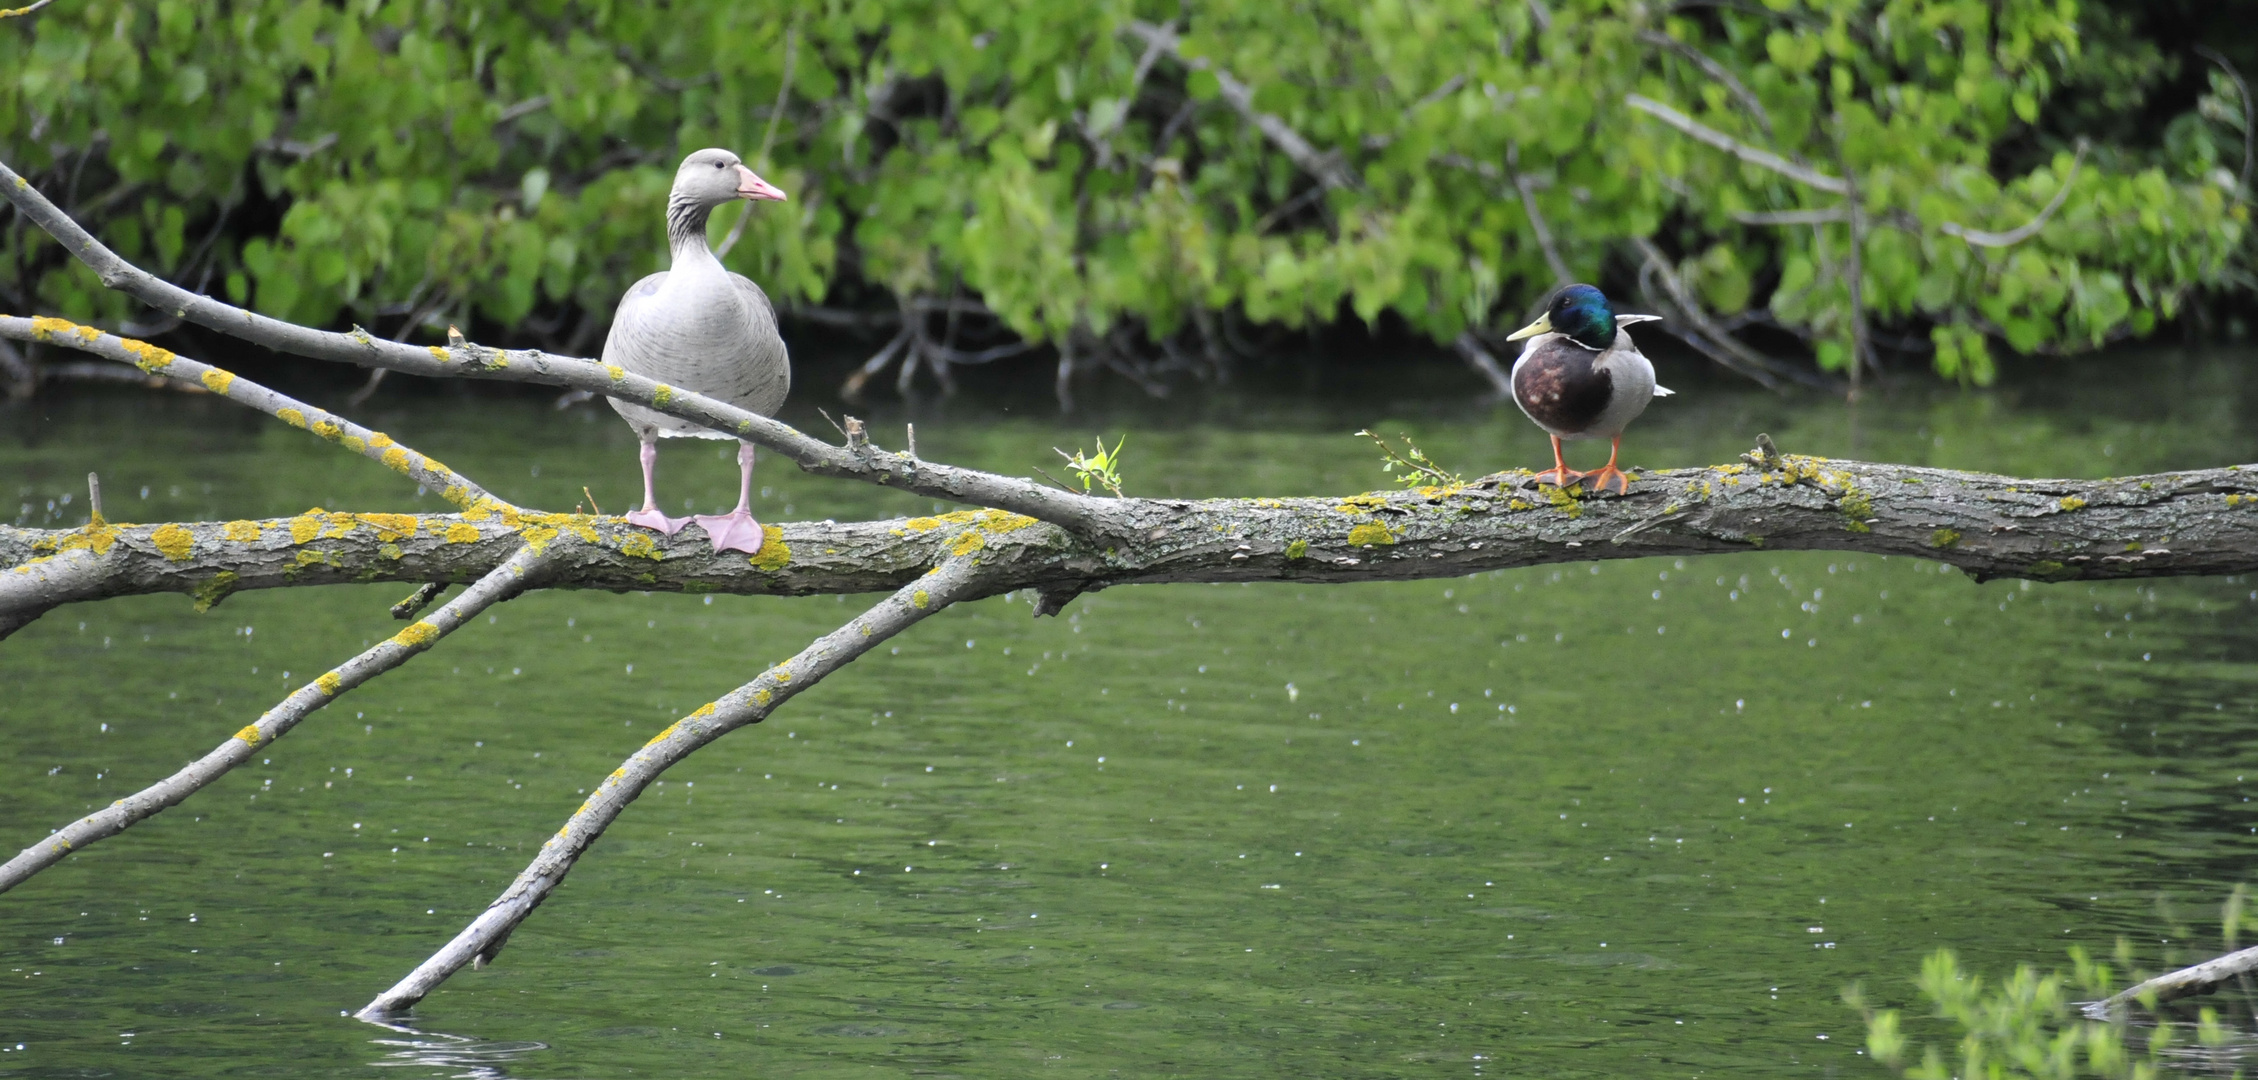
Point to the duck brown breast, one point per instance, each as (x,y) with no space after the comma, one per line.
(1561,388)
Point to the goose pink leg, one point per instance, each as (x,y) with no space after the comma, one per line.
(736,530)
(649,516)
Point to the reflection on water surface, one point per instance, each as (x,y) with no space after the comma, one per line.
(1633,818)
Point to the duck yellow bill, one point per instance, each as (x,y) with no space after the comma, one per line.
(1543,325)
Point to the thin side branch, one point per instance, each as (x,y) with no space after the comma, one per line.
(1713,340)
(2186,982)
(768,138)
(1326,166)
(503,582)
(477,944)
(164,363)
(1478,357)
(1527,188)
(27,9)
(2030,228)
(1754,156)
(1825,216)
(2249,110)
(869,464)
(1714,70)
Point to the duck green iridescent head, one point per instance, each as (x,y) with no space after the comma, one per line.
(1579,312)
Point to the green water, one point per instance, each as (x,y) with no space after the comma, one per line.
(1631,819)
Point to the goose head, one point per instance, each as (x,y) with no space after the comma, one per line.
(714,177)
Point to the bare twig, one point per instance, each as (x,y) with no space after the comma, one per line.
(2249,109)
(1471,350)
(17,377)
(1714,70)
(1711,339)
(2030,228)
(768,138)
(852,388)
(1528,190)
(1823,216)
(499,584)
(1754,156)
(1326,166)
(478,943)
(418,600)
(528,107)
(27,9)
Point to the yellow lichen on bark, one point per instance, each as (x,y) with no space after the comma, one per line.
(218,381)
(418,636)
(774,554)
(390,526)
(173,542)
(1370,534)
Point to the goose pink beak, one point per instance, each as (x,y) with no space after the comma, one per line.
(750,186)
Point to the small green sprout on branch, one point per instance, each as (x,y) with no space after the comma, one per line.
(1417,469)
(1102,468)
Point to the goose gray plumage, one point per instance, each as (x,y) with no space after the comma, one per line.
(1582,377)
(702,328)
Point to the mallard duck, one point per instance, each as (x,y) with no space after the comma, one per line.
(702,328)
(1581,377)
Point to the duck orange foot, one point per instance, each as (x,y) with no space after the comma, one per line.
(1601,477)
(1562,477)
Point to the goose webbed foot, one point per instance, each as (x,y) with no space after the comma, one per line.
(650,518)
(735,531)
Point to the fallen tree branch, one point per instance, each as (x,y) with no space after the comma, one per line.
(501,583)
(960,578)
(2166,524)
(2186,982)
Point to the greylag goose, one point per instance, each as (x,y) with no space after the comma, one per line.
(1582,377)
(699,327)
